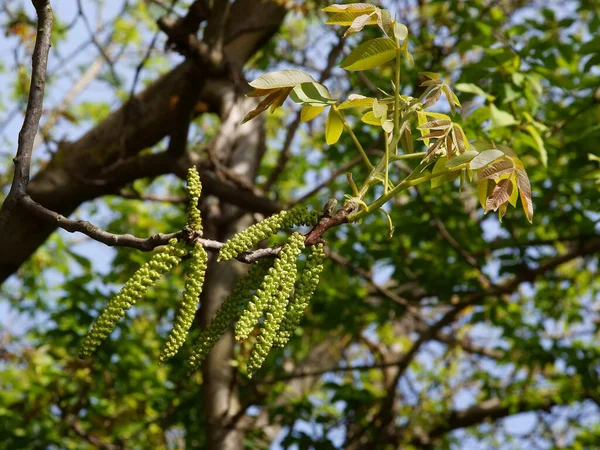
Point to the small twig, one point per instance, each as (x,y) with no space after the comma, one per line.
(33,113)
(90,30)
(149,51)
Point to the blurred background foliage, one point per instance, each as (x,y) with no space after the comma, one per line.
(518,367)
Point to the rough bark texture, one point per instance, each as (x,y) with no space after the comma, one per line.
(242,146)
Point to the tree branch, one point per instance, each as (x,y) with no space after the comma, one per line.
(33,113)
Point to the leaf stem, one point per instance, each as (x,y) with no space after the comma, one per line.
(396,139)
(399,188)
(354,138)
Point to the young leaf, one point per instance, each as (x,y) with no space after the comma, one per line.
(283,94)
(309,112)
(314,94)
(370,119)
(482,192)
(379,109)
(514,196)
(281,79)
(388,126)
(440,166)
(356,101)
(333,128)
(400,31)
(262,106)
(439,124)
(370,54)
(500,195)
(525,193)
(384,20)
(462,158)
(485,157)
(348,18)
(496,170)
(260,92)
(358,24)
(422,119)
(353,8)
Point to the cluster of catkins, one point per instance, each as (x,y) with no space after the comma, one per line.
(274,291)
(162,262)
(271,296)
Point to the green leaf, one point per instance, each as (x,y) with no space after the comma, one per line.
(356,101)
(485,157)
(501,118)
(333,128)
(370,54)
(358,24)
(462,158)
(370,119)
(309,112)
(440,166)
(314,94)
(281,79)
(385,22)
(348,18)
(400,31)
(353,7)
(539,143)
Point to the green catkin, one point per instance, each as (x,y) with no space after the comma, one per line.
(251,236)
(228,312)
(194,189)
(305,289)
(187,308)
(130,293)
(280,289)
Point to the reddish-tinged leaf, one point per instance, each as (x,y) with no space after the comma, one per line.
(525,193)
(261,92)
(432,98)
(283,94)
(499,196)
(439,124)
(262,106)
(496,170)
(433,134)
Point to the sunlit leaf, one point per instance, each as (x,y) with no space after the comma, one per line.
(385,22)
(370,119)
(439,124)
(525,193)
(281,79)
(356,101)
(358,24)
(500,195)
(370,54)
(314,94)
(309,112)
(485,157)
(348,18)
(471,88)
(497,169)
(462,158)
(262,106)
(353,7)
(333,127)
(400,31)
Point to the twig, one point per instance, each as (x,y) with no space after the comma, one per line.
(33,112)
